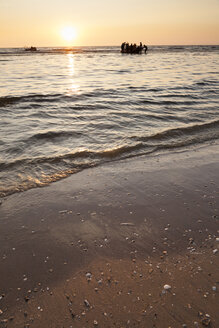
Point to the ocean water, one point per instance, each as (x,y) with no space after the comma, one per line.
(65,110)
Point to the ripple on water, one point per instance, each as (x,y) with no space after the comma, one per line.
(76,108)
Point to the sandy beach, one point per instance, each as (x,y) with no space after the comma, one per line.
(131,243)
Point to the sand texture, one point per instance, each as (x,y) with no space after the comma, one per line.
(127,244)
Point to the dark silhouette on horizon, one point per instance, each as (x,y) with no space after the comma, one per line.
(133,48)
(31,49)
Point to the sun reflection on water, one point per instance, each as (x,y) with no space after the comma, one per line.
(73,86)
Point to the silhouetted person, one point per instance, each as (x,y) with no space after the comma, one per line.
(145,48)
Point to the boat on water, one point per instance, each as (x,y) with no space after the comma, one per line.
(127,48)
(31,49)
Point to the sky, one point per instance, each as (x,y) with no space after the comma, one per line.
(110,22)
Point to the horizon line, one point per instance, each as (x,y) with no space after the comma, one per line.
(152,45)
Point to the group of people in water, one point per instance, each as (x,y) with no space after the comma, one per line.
(133,48)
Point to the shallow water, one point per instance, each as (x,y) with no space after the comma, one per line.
(65,110)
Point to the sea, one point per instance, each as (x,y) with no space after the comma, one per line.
(63,110)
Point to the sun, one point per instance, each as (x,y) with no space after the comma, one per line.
(68,33)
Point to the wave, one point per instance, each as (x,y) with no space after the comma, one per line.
(34,99)
(50,135)
(43,160)
(206,82)
(30,182)
(42,170)
(184,131)
(178,136)
(180,95)
(41,98)
(8,100)
(166,102)
(84,154)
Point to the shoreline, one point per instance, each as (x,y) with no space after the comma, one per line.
(147,157)
(130,223)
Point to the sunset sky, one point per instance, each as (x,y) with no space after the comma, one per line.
(98,22)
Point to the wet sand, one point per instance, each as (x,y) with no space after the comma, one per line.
(96,249)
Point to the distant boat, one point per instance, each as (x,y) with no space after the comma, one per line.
(132,51)
(127,48)
(31,49)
